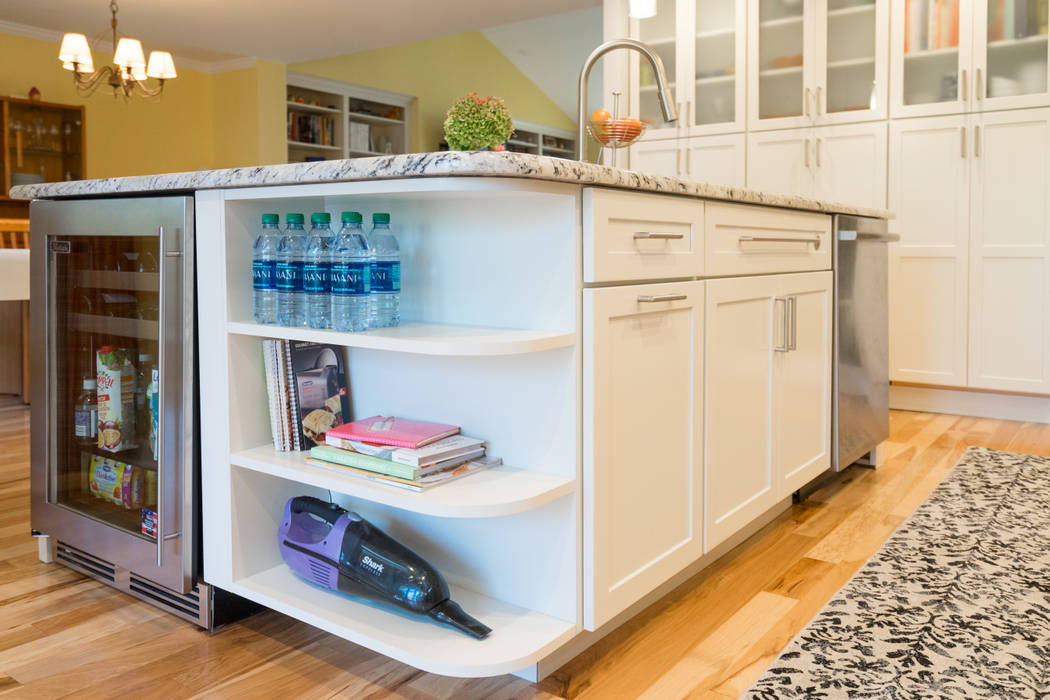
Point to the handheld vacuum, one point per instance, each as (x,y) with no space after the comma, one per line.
(338,549)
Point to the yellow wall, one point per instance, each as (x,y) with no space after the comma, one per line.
(437,71)
(257,96)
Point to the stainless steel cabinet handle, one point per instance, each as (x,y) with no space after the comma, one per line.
(818,140)
(978,87)
(815,240)
(965,87)
(162,264)
(807,153)
(783,347)
(793,303)
(678,162)
(962,141)
(805,99)
(652,299)
(650,234)
(688,161)
(819,110)
(977,141)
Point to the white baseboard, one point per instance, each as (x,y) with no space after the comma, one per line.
(1032,409)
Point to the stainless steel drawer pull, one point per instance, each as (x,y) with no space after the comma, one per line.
(660,297)
(815,240)
(667,236)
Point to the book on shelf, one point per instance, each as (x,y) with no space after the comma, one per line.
(311,129)
(422,483)
(446,448)
(358,460)
(930,25)
(397,432)
(306,389)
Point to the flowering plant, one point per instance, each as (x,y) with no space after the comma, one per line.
(474,123)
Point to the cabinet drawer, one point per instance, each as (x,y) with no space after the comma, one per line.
(631,236)
(748,240)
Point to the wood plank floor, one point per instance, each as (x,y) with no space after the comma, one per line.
(62,635)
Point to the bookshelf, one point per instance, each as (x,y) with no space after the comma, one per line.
(542,140)
(329,119)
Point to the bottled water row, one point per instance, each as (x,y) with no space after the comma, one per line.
(349,282)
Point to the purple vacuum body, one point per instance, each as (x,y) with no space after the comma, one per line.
(339,550)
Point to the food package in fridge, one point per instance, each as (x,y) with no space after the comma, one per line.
(133,487)
(150,495)
(107,479)
(116,399)
(154,410)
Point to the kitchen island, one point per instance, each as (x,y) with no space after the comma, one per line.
(650,357)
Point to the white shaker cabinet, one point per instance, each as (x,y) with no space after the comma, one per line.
(781,161)
(929,191)
(1009,311)
(718,159)
(768,370)
(849,164)
(643,428)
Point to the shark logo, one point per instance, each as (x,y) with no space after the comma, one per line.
(374,566)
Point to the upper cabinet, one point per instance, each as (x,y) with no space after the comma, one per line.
(702,45)
(813,62)
(42,142)
(951,57)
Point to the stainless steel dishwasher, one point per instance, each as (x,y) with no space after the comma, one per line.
(861,412)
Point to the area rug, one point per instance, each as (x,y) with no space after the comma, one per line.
(956,604)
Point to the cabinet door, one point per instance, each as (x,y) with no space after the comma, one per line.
(779,64)
(661,33)
(929,191)
(717,159)
(1010,54)
(1010,253)
(643,430)
(781,161)
(716,37)
(802,382)
(850,164)
(851,60)
(930,57)
(744,323)
(662,157)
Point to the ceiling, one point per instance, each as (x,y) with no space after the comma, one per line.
(210,31)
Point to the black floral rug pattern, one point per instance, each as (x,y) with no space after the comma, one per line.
(956,604)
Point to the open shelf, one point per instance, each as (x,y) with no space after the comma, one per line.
(111,325)
(312,146)
(316,109)
(105,279)
(372,118)
(488,493)
(519,637)
(422,338)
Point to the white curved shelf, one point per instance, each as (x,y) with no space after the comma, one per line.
(422,338)
(488,493)
(519,637)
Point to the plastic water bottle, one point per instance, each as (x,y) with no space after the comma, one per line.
(264,263)
(85,415)
(351,276)
(291,305)
(386,274)
(317,270)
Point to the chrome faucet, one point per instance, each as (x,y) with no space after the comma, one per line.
(663,93)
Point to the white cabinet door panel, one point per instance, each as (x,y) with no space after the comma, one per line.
(739,480)
(717,159)
(1010,253)
(781,161)
(929,191)
(657,157)
(803,381)
(851,164)
(643,435)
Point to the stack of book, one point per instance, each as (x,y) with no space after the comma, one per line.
(413,455)
(306,388)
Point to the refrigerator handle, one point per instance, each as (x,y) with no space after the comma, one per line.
(162,306)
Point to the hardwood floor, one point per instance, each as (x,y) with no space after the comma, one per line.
(62,635)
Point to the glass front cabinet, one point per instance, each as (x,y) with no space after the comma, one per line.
(702,45)
(814,62)
(955,56)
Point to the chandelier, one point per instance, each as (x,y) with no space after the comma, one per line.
(127,76)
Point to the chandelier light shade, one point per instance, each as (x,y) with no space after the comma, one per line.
(641,9)
(129,72)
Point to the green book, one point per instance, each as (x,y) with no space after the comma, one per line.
(362,461)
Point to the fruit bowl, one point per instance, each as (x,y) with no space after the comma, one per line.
(616,133)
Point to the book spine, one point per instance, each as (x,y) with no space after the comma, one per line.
(360,461)
(1021,19)
(955,24)
(298,440)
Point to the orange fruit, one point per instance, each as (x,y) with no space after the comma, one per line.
(600,115)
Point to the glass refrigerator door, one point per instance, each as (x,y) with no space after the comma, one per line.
(105,305)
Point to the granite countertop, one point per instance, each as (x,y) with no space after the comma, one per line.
(439,164)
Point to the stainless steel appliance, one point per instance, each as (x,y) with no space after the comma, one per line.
(112,293)
(860,415)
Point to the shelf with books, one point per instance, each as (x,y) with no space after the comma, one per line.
(519,636)
(492,492)
(423,338)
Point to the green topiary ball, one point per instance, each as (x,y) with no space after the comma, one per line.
(474,123)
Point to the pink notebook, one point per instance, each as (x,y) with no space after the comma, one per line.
(387,430)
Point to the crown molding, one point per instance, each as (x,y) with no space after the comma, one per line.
(54,36)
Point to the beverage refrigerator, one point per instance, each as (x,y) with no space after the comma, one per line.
(114,419)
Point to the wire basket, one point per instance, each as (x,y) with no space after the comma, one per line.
(616,133)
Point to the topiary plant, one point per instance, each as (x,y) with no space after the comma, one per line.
(474,123)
